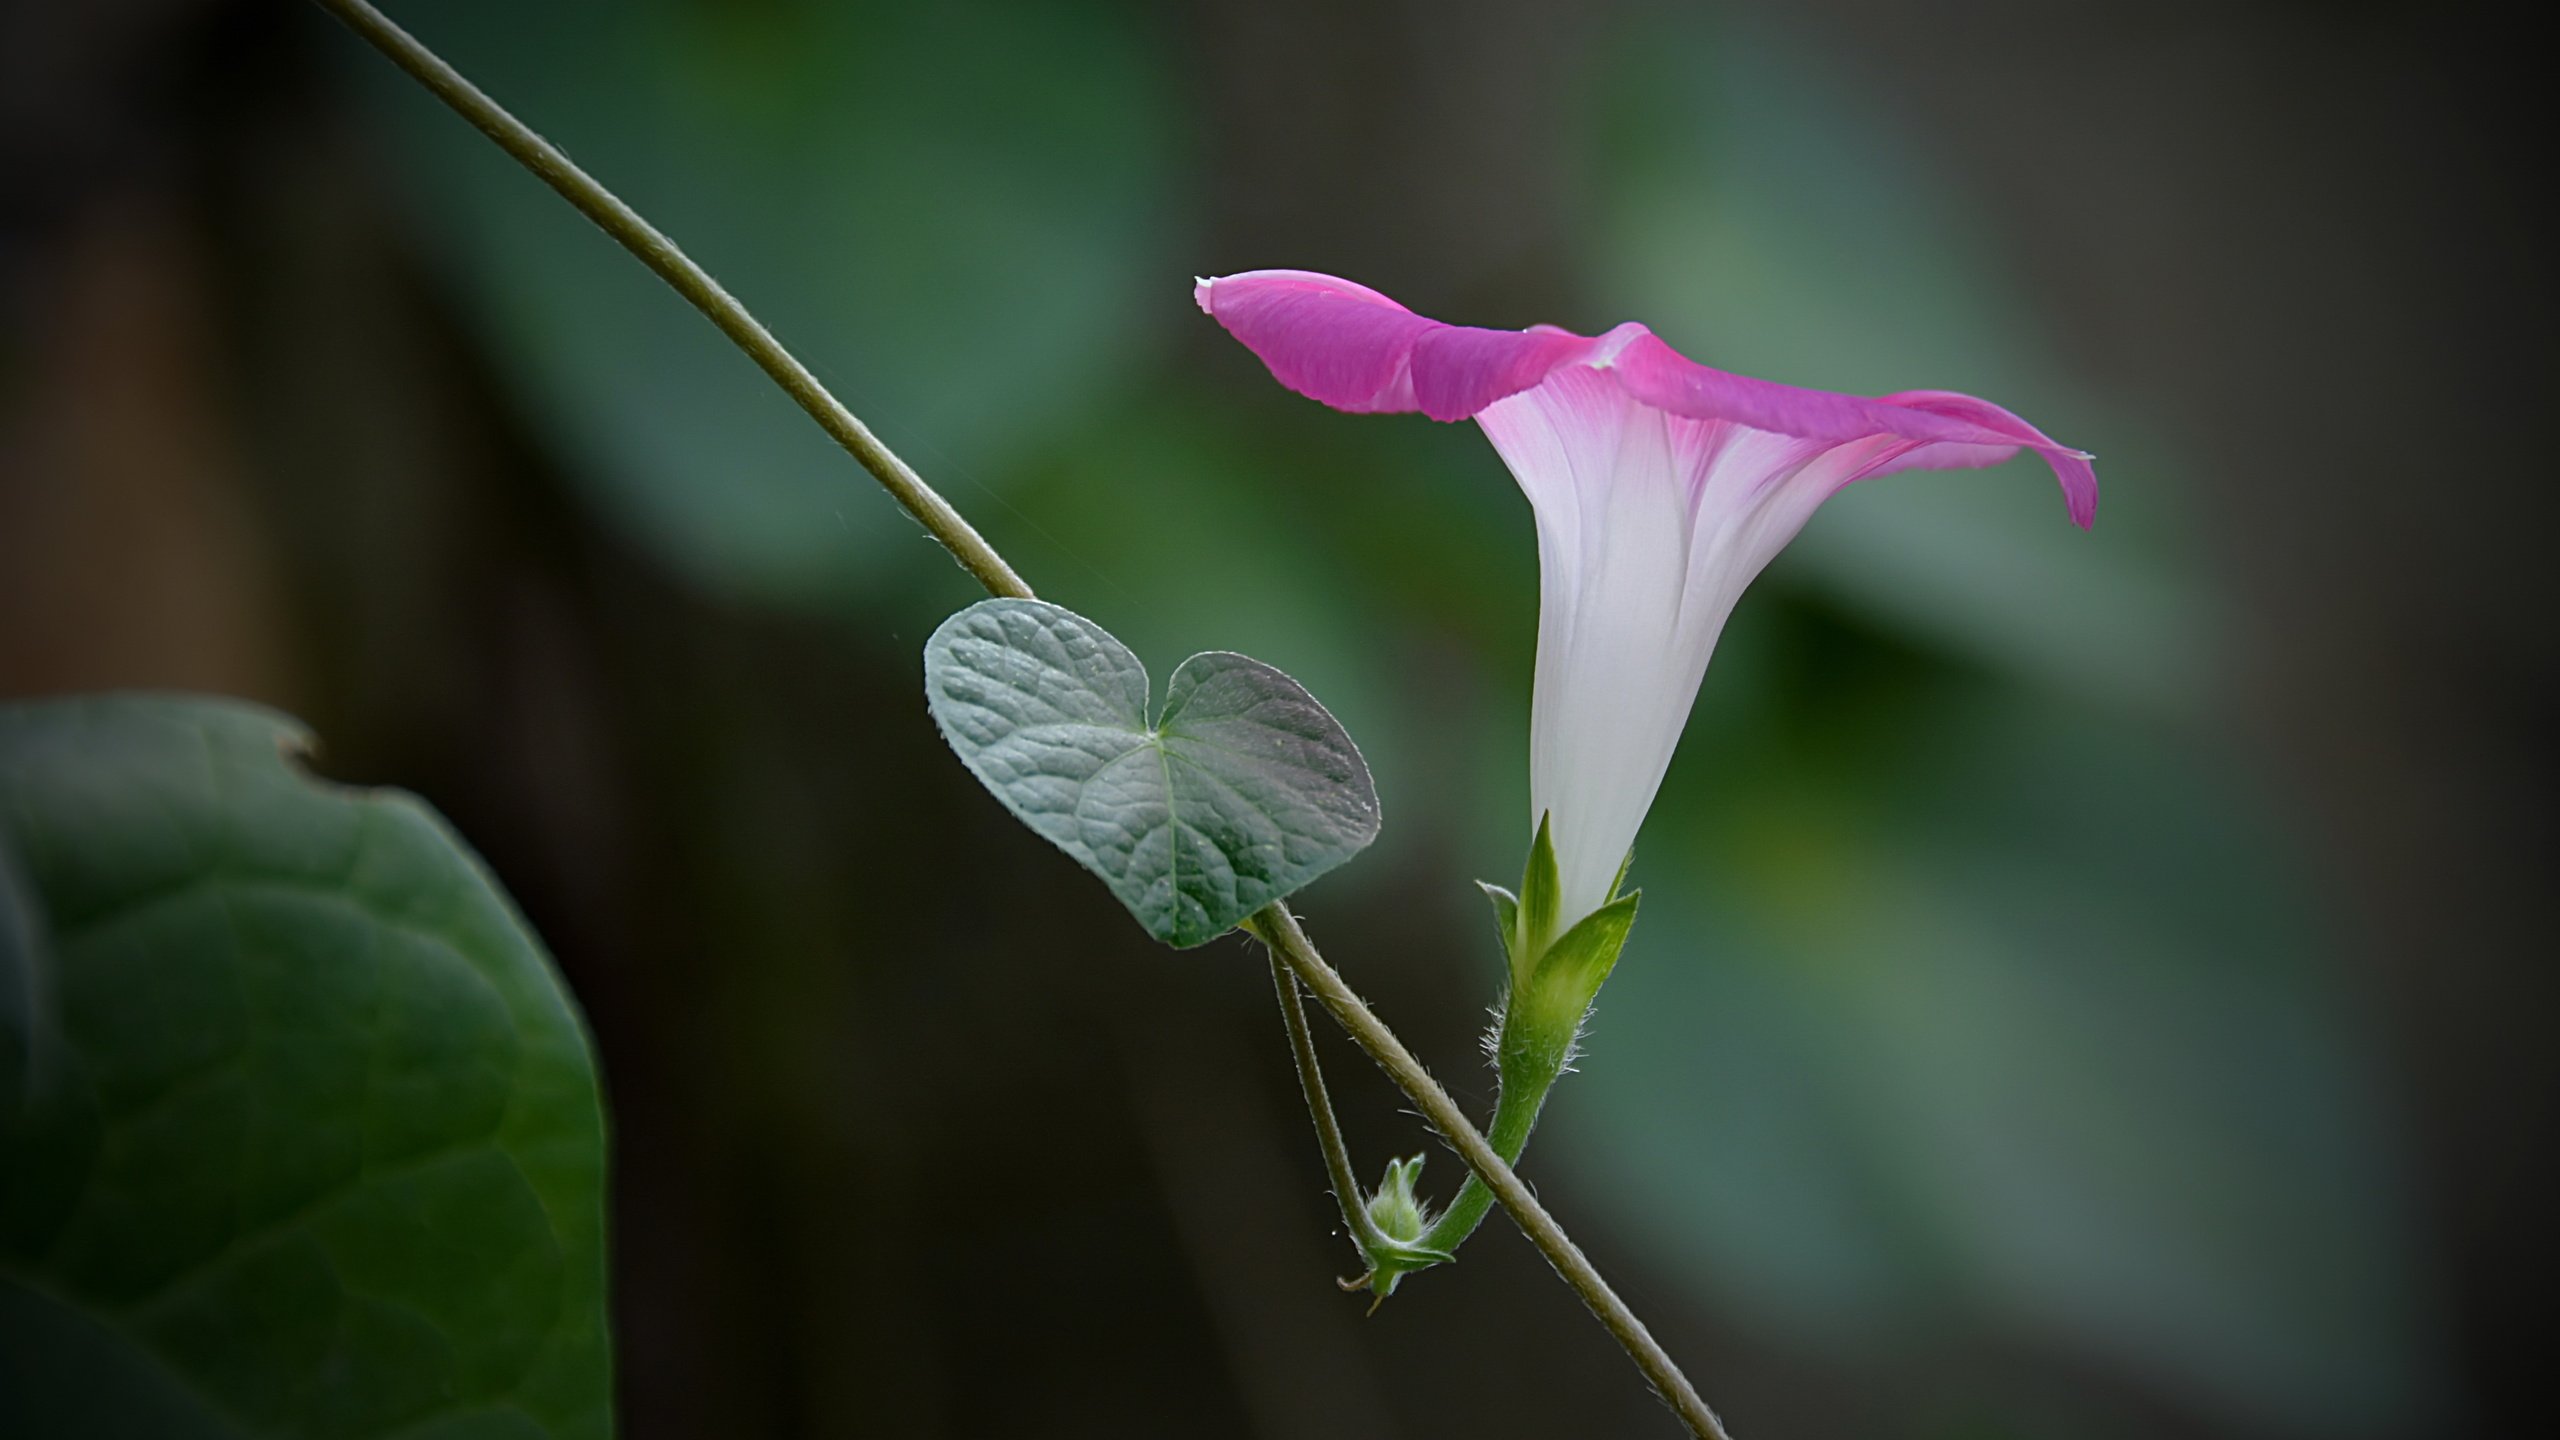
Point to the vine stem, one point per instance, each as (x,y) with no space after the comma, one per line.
(695,284)
(1302,1048)
(1278,930)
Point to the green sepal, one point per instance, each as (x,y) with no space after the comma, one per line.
(1506,914)
(1554,977)
(1585,955)
(1546,1009)
(1540,894)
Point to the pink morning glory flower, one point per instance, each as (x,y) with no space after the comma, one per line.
(1661,487)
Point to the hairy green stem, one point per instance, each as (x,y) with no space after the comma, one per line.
(1529,1070)
(1274,924)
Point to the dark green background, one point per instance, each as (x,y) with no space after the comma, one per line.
(2089,985)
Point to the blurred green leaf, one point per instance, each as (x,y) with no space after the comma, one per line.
(1241,792)
(958,214)
(326,1155)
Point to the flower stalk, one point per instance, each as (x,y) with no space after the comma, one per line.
(1550,985)
(1553,982)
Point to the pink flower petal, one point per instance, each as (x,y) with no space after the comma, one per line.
(1327,339)
(1954,430)
(1458,370)
(2079,478)
(1357,350)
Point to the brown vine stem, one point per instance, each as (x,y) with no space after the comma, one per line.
(1274,925)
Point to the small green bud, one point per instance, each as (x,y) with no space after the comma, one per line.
(1398,1219)
(1394,1209)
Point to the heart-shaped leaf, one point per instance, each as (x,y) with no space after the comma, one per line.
(1242,791)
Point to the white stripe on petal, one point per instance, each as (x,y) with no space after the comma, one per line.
(1613,689)
(1650,525)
